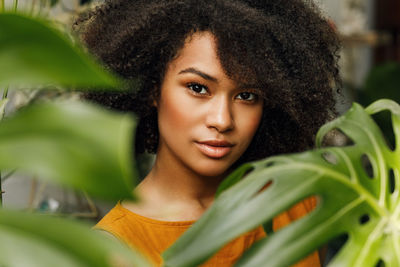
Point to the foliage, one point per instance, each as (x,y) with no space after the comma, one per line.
(32,52)
(352,201)
(382,82)
(67,142)
(88,148)
(73,143)
(41,240)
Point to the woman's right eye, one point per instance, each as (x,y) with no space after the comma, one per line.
(198,88)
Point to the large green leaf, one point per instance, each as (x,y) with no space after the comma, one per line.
(34,53)
(74,143)
(350,201)
(31,240)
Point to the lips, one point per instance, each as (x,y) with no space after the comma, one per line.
(214,148)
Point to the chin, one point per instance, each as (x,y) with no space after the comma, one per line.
(213,170)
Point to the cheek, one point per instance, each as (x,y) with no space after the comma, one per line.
(249,122)
(174,114)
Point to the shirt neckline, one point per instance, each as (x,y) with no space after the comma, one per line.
(151,220)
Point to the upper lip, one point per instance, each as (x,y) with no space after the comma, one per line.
(217,143)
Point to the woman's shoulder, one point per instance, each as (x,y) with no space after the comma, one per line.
(150,236)
(128,224)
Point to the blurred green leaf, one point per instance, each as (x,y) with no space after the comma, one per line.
(364,206)
(382,82)
(53,2)
(32,52)
(31,240)
(74,143)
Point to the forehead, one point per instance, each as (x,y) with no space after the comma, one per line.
(199,51)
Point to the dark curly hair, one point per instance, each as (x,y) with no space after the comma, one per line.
(285,46)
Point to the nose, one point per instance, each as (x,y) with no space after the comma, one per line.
(220,115)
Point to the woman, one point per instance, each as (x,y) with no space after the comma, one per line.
(222,82)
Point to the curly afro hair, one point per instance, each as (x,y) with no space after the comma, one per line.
(285,46)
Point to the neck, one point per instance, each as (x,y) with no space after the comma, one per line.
(171,183)
(179,184)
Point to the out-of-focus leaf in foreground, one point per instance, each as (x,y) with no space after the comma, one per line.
(355,199)
(74,143)
(34,53)
(31,240)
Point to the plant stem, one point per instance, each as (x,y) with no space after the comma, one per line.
(2,6)
(44,8)
(1,193)
(5,93)
(32,7)
(15,5)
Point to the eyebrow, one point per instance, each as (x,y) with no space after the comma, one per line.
(211,78)
(199,73)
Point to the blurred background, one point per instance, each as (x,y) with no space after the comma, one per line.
(370,67)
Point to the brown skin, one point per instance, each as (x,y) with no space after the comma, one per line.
(192,108)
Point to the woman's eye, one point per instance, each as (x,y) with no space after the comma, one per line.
(247,96)
(198,88)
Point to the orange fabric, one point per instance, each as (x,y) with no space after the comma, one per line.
(152,237)
(296,212)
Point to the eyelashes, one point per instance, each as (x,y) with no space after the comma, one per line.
(202,90)
(247,96)
(198,88)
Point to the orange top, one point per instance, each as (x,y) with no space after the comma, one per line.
(152,237)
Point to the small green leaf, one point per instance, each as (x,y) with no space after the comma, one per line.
(355,199)
(34,53)
(73,143)
(31,240)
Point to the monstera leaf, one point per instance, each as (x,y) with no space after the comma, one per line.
(353,200)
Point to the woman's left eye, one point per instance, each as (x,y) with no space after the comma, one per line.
(198,88)
(247,96)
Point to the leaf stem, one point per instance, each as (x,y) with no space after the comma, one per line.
(15,5)
(1,193)
(41,8)
(362,255)
(2,6)
(32,7)
(5,93)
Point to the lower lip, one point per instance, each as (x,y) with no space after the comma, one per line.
(214,151)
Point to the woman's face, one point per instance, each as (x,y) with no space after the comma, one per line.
(206,120)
